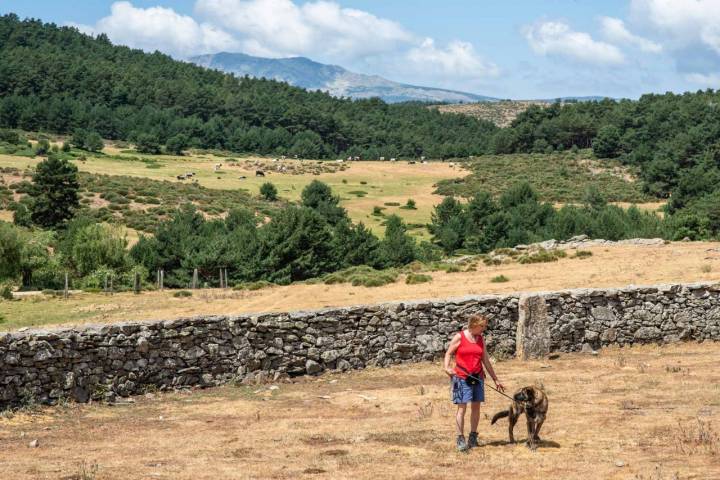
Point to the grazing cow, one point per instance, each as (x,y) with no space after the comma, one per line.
(242,177)
(218,166)
(393,159)
(340,160)
(259,173)
(181,177)
(357,159)
(422,158)
(411,162)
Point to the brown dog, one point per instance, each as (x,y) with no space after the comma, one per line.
(534,403)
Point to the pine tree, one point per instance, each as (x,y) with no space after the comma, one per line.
(54,192)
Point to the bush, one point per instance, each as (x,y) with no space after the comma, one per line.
(499,279)
(182,294)
(362,276)
(269,192)
(2,318)
(415,278)
(542,256)
(582,254)
(391,204)
(252,286)
(410,205)
(6,292)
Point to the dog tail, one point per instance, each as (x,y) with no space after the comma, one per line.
(499,415)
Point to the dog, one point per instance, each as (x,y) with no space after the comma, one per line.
(534,403)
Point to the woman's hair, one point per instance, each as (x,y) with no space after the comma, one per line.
(476,319)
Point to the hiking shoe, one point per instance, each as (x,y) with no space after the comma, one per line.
(473,440)
(462,446)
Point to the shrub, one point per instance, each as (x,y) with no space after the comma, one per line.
(2,318)
(269,192)
(410,205)
(362,276)
(6,292)
(377,211)
(252,286)
(542,256)
(415,278)
(391,204)
(582,254)
(499,279)
(182,294)
(358,193)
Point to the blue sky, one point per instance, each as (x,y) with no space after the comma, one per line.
(509,49)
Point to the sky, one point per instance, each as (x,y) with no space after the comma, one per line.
(519,49)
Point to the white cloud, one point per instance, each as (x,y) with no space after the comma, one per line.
(159,28)
(458,58)
(710,80)
(556,38)
(283,28)
(683,22)
(615,31)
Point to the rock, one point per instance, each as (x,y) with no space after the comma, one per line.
(648,333)
(619,463)
(143,346)
(587,348)
(329,356)
(34,444)
(312,367)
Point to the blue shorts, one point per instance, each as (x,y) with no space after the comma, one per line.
(464,393)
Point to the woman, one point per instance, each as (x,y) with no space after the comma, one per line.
(468,347)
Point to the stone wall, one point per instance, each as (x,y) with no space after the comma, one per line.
(126,359)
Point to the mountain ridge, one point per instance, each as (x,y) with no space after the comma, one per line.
(336,80)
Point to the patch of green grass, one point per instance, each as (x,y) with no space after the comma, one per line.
(542,256)
(252,286)
(358,193)
(182,294)
(499,279)
(362,276)
(415,278)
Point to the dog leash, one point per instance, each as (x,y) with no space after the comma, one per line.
(480,379)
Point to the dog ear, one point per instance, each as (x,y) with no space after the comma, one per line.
(530,394)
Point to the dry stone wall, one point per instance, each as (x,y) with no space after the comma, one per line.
(125,359)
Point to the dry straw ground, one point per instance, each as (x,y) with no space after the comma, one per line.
(642,413)
(609,266)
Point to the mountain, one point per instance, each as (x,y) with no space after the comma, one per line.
(339,82)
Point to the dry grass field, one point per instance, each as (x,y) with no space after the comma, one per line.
(609,266)
(361,186)
(644,413)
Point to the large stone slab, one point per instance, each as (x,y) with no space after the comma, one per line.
(533,328)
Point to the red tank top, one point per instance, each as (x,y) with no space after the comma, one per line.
(469,356)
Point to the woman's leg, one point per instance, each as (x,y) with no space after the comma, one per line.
(460,418)
(474,416)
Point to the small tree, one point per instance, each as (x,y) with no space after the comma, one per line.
(177,144)
(11,246)
(93,142)
(43,147)
(54,192)
(78,138)
(397,247)
(147,143)
(411,205)
(607,142)
(269,192)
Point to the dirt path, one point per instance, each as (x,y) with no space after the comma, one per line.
(645,413)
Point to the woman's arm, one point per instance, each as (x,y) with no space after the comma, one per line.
(491,371)
(454,344)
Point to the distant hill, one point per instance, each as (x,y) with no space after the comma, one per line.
(503,112)
(339,82)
